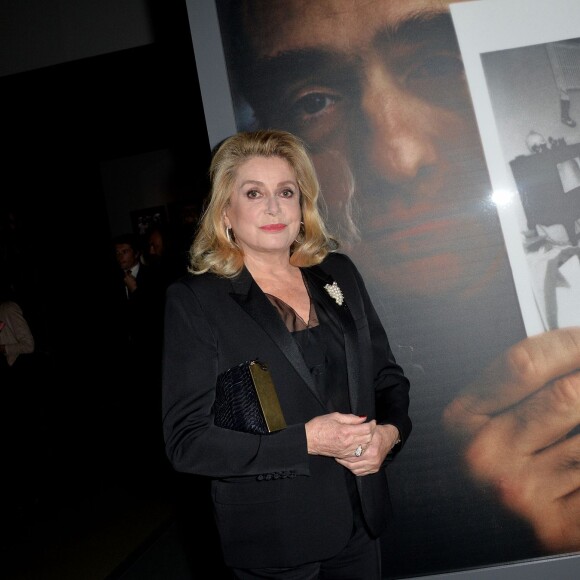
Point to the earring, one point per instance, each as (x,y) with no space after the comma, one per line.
(229,235)
(300,237)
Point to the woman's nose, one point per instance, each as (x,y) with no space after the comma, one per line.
(272,205)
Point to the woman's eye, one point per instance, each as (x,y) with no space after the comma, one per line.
(287,193)
(253,193)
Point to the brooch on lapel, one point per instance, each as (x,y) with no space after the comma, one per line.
(335,292)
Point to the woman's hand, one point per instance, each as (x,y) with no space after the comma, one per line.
(338,434)
(516,425)
(370,461)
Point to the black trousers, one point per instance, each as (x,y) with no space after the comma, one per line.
(360,559)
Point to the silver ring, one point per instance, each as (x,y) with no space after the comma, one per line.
(358,451)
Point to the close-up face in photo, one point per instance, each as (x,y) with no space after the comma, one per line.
(377,90)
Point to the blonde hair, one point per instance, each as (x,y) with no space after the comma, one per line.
(212,250)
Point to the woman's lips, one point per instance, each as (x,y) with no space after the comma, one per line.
(273,227)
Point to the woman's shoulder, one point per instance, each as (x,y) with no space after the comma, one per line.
(199,283)
(341,267)
(337,260)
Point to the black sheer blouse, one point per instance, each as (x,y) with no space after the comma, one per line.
(321,342)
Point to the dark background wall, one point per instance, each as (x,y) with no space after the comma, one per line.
(79,87)
(61,122)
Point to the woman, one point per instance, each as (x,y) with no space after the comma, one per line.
(311,499)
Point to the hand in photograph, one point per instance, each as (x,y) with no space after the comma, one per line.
(518,426)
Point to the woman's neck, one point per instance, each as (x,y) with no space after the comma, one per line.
(270,267)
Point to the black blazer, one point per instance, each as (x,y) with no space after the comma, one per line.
(275,505)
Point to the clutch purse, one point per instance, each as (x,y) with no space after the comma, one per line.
(246,400)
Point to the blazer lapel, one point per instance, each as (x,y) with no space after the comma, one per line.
(318,278)
(251,298)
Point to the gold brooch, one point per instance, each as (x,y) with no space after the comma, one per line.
(335,292)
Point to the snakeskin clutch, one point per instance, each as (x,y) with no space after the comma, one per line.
(246,400)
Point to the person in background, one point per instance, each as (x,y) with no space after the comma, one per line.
(15,335)
(377,90)
(162,254)
(311,499)
(155,244)
(137,291)
(135,333)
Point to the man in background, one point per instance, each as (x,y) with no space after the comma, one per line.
(134,352)
(137,290)
(378,92)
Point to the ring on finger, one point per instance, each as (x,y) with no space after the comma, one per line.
(358,451)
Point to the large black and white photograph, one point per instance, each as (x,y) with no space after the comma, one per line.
(527,95)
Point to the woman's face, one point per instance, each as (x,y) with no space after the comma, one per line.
(264,207)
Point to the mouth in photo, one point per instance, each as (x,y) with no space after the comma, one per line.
(424,236)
